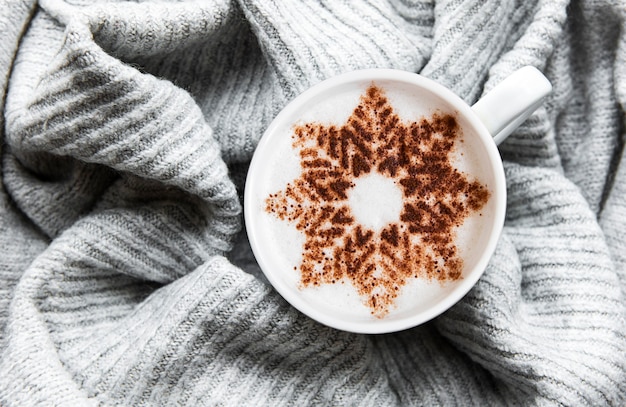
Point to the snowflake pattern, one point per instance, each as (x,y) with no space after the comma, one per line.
(417,157)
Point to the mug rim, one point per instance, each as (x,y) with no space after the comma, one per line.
(470,277)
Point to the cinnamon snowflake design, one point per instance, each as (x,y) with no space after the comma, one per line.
(436,198)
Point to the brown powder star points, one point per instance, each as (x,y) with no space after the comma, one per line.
(436,199)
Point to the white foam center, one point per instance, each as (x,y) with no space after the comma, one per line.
(375,201)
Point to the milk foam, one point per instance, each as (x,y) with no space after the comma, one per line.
(375,201)
(287,242)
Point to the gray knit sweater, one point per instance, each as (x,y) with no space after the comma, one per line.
(126,277)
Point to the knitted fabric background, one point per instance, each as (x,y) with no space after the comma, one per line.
(126,277)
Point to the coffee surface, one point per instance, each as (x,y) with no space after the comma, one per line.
(416,156)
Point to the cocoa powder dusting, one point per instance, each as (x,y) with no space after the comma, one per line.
(436,199)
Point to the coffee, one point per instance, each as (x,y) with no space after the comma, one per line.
(374,200)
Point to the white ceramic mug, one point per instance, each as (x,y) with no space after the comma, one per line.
(287,247)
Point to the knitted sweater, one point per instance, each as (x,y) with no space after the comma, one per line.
(126,277)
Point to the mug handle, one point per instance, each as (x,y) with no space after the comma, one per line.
(507,105)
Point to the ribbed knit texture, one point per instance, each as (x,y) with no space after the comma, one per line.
(126,277)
